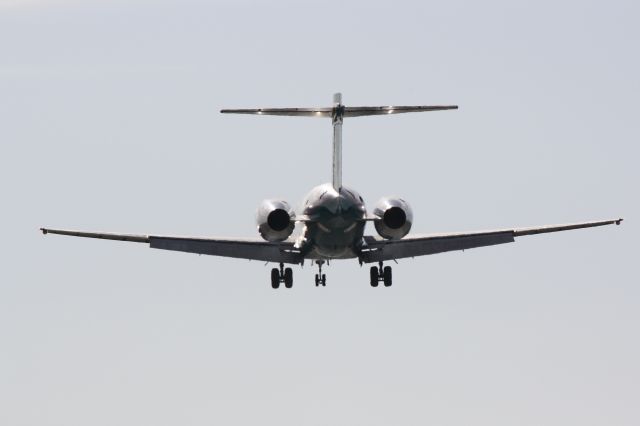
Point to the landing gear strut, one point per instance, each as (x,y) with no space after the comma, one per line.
(321,279)
(380,274)
(282,275)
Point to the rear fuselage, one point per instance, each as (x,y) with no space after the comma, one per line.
(336,226)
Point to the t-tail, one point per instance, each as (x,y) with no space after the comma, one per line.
(337,113)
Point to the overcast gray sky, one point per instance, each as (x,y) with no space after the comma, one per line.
(109,121)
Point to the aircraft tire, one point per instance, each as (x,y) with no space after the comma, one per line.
(386,276)
(373,275)
(275,278)
(288,278)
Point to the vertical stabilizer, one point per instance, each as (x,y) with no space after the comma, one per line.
(336,115)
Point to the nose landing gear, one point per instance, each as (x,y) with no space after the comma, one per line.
(321,279)
(282,275)
(380,274)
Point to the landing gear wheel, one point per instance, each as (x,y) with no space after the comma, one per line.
(386,276)
(373,273)
(288,278)
(275,278)
(321,279)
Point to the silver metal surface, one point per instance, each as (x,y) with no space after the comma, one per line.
(338,113)
(336,226)
(382,212)
(264,218)
(360,111)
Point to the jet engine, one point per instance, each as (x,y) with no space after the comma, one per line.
(394,218)
(275,220)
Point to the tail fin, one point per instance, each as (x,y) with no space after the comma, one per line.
(337,112)
(336,119)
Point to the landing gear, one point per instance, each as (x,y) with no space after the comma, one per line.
(377,274)
(321,279)
(282,275)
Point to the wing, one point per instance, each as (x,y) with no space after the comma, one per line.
(253,249)
(377,249)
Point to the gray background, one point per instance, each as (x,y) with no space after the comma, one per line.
(108,121)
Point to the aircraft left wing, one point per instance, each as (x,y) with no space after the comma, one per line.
(378,249)
(253,249)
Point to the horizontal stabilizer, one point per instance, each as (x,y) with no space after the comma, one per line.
(382,110)
(360,111)
(296,112)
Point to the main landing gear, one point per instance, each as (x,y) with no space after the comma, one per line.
(321,279)
(282,275)
(380,274)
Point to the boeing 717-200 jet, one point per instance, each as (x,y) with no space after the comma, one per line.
(333,219)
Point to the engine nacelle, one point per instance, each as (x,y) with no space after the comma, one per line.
(395,218)
(275,220)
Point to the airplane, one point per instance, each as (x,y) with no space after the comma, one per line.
(333,219)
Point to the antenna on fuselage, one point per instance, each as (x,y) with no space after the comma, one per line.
(337,113)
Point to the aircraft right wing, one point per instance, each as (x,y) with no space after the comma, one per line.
(252,249)
(378,249)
